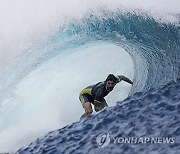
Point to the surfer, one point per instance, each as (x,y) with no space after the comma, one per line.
(95,94)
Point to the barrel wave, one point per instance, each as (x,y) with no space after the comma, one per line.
(39,93)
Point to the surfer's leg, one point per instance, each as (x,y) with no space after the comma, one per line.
(97,108)
(88,109)
(85,101)
(104,104)
(100,106)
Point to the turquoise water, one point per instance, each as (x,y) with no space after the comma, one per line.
(44,83)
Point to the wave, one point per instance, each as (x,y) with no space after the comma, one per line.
(147,121)
(153,46)
(130,43)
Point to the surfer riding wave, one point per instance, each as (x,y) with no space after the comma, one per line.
(94,94)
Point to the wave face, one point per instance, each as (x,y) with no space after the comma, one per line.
(154,47)
(150,118)
(44,83)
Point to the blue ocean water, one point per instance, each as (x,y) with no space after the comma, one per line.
(154,115)
(151,110)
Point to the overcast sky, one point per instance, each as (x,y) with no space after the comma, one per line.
(17,16)
(172,6)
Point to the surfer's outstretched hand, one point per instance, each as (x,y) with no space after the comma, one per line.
(122,77)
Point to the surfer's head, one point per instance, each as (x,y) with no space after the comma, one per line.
(111,81)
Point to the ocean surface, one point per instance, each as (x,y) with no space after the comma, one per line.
(147,122)
(56,54)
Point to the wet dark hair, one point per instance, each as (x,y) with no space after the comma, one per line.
(112,78)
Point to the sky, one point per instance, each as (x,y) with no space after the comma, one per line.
(171,6)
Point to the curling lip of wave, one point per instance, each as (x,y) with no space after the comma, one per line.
(153,46)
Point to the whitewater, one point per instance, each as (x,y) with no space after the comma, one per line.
(50,51)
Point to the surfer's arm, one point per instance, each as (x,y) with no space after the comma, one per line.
(99,105)
(99,98)
(96,102)
(122,77)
